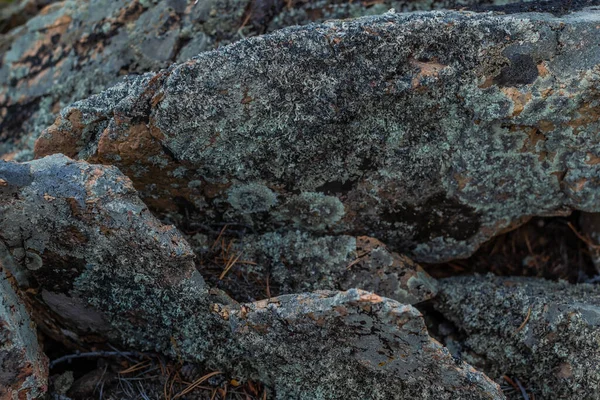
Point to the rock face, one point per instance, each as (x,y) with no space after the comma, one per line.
(73,48)
(103,264)
(543,333)
(23,365)
(321,129)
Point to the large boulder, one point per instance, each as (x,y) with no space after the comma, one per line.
(75,48)
(432,132)
(543,333)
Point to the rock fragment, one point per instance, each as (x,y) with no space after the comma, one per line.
(341,146)
(544,333)
(23,365)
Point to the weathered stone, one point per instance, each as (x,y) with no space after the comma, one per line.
(351,345)
(429,131)
(80,234)
(76,48)
(546,334)
(23,365)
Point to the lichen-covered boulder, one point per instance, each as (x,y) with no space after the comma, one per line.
(75,48)
(543,333)
(430,131)
(23,365)
(101,262)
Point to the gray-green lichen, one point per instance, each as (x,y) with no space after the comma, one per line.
(429,131)
(251,198)
(543,333)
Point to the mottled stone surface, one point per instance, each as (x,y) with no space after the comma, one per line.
(23,365)
(101,261)
(75,48)
(430,131)
(546,334)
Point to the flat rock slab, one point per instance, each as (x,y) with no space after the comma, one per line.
(23,365)
(431,132)
(103,263)
(543,333)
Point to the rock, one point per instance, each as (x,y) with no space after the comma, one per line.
(321,129)
(75,48)
(546,334)
(79,233)
(23,365)
(351,345)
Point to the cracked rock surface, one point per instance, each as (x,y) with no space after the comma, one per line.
(545,333)
(101,262)
(321,129)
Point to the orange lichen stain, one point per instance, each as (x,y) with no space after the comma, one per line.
(587,115)
(462,181)
(546,126)
(565,371)
(389,360)
(343,311)
(370,31)
(57,140)
(592,159)
(534,136)
(8,156)
(220,310)
(370,298)
(519,99)
(579,185)
(426,69)
(42,47)
(546,92)
(488,82)
(543,69)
